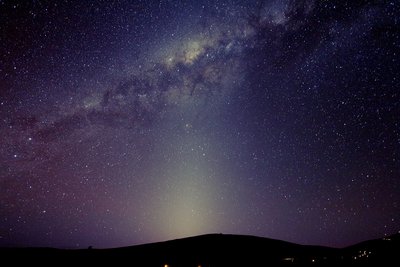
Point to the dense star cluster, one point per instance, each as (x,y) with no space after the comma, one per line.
(127,122)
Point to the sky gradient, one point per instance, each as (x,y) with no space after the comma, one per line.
(128,122)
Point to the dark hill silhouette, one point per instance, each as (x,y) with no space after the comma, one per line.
(216,250)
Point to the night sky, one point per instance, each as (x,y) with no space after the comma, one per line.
(128,122)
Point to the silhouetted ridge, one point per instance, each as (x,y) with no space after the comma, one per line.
(219,250)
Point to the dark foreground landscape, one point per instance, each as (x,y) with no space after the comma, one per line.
(216,250)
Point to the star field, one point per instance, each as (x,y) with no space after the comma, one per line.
(128,122)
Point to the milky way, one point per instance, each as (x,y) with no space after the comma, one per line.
(129,122)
